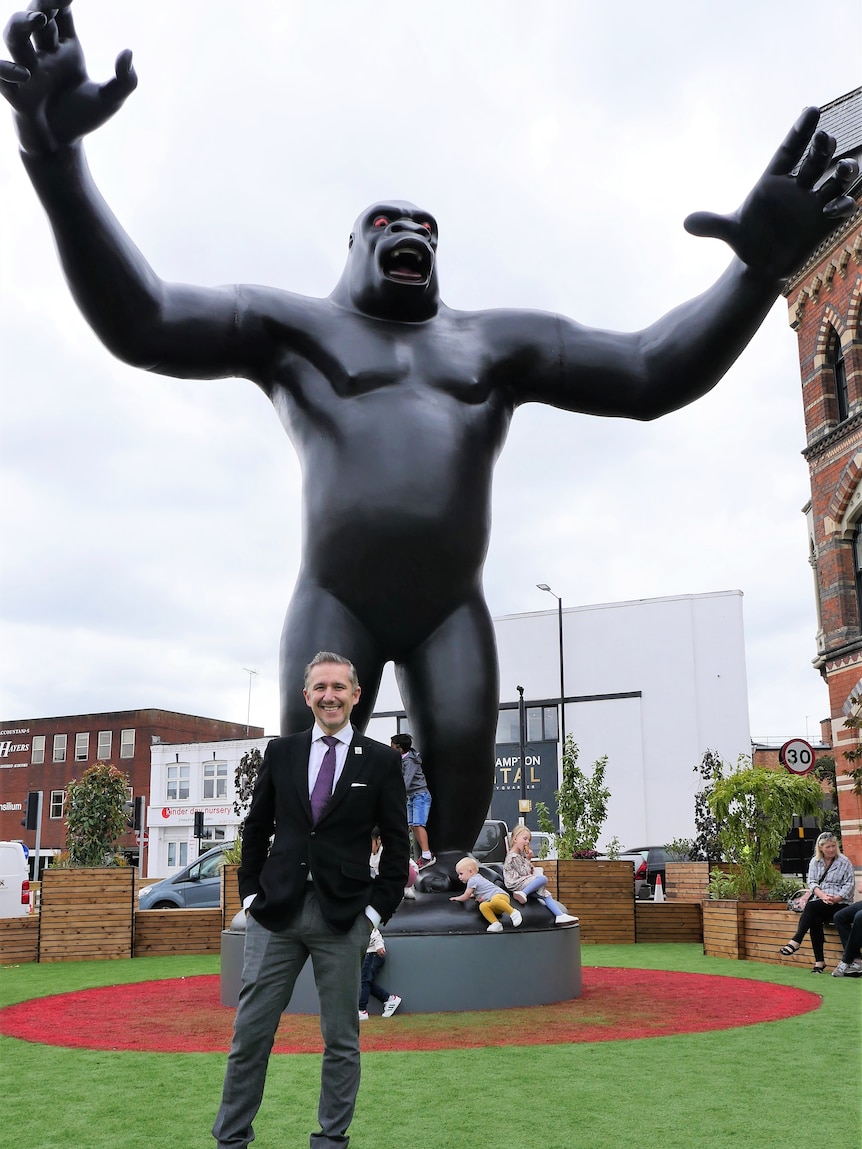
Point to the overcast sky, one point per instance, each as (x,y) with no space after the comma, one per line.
(151,526)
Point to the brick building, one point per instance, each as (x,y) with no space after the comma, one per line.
(45,753)
(824,300)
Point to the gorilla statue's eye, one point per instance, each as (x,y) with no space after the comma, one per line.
(427,226)
(381,221)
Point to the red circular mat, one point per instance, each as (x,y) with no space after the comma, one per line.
(184,1015)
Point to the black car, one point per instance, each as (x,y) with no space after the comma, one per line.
(655,858)
(492,843)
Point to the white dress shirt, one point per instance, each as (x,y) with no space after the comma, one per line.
(319,748)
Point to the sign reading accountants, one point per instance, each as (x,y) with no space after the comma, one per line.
(12,746)
(540,764)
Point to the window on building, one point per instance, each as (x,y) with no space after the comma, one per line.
(178,855)
(58,801)
(857,567)
(835,360)
(541,725)
(550,730)
(59,748)
(215,779)
(103,752)
(37,749)
(127,743)
(82,747)
(177,782)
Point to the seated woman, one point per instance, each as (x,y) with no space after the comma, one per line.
(832,882)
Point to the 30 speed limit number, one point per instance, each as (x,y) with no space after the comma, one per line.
(796,756)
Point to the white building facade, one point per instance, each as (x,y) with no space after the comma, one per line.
(186,778)
(651,683)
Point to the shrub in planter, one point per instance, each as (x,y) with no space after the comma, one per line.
(724,885)
(754,808)
(96,816)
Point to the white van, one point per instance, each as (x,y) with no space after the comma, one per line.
(14,881)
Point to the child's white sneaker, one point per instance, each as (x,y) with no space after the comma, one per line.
(562,919)
(494,928)
(515,917)
(392,1003)
(363,1015)
(520,897)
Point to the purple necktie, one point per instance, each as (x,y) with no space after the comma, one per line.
(322,791)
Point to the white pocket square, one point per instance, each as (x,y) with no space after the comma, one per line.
(357,784)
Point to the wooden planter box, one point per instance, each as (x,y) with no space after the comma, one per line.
(668,922)
(686,881)
(231,903)
(86,914)
(768,927)
(161,932)
(724,928)
(755,931)
(600,892)
(19,939)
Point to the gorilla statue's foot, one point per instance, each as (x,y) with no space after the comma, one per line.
(440,876)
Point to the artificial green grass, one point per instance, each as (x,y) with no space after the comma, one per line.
(745,1088)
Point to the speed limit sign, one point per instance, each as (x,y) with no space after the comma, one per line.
(796,756)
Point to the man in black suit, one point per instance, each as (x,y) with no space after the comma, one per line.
(320,793)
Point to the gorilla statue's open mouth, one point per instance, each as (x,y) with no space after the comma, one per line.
(409,261)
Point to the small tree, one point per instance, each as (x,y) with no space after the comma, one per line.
(755,808)
(582,803)
(825,771)
(853,721)
(706,846)
(244,778)
(96,816)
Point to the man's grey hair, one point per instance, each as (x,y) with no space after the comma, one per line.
(323,656)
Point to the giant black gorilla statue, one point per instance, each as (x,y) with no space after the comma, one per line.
(397,404)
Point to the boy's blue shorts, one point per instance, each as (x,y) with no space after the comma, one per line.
(418,807)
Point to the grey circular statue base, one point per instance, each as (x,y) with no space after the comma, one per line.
(462,968)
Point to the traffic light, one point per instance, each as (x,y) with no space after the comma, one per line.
(199,824)
(30,821)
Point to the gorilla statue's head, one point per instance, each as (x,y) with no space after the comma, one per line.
(391,269)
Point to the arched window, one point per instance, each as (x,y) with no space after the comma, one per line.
(835,360)
(857,566)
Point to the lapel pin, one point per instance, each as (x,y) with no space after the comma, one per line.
(358,749)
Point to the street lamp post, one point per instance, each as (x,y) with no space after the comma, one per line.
(251,675)
(524,804)
(544,586)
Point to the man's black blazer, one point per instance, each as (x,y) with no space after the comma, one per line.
(370,792)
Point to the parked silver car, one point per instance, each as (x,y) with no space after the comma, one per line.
(196,887)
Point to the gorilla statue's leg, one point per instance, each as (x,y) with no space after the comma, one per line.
(450,690)
(317,621)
